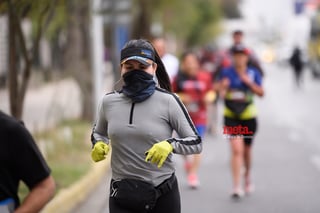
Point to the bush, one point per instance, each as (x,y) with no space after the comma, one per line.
(67,151)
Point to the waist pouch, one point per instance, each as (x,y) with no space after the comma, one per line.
(138,195)
(237,107)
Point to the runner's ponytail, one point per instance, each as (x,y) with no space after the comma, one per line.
(162,75)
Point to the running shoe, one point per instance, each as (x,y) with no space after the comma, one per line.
(249,188)
(193,181)
(237,194)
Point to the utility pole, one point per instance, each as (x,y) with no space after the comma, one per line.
(97,51)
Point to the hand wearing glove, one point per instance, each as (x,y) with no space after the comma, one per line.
(100,149)
(159,152)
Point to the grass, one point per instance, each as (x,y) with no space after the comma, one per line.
(67,152)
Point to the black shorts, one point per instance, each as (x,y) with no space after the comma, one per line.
(245,128)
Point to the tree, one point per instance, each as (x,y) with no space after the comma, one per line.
(143,20)
(69,17)
(231,9)
(77,55)
(206,25)
(18,76)
(194,22)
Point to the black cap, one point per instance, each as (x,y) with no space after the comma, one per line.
(239,48)
(137,54)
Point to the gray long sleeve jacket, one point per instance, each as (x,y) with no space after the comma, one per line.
(133,128)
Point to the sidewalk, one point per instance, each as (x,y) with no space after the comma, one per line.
(47,105)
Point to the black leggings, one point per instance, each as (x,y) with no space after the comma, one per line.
(168,203)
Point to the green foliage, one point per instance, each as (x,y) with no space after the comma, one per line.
(59,22)
(206,26)
(67,150)
(46,15)
(194,21)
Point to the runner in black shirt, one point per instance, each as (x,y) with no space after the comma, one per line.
(21,160)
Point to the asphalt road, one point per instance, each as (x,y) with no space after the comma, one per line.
(286,155)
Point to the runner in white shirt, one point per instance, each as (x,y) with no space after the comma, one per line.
(170,61)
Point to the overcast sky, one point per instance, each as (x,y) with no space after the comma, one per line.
(272,12)
(277,16)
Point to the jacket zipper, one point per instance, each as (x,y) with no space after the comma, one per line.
(131,113)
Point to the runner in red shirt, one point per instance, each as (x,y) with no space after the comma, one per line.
(194,86)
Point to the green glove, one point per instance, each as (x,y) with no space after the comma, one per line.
(159,153)
(100,149)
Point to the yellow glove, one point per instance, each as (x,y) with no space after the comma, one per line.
(159,153)
(100,149)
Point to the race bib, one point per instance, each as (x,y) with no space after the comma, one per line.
(237,95)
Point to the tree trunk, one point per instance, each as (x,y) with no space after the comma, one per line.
(17,87)
(13,72)
(143,20)
(76,56)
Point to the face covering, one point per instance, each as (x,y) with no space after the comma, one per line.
(139,85)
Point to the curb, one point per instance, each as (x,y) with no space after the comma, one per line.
(67,199)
